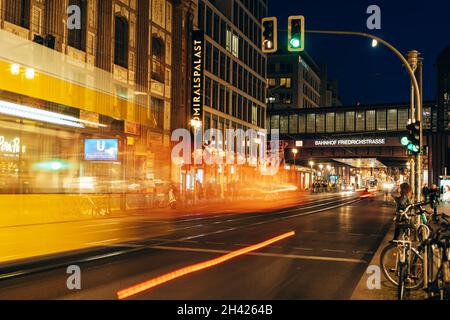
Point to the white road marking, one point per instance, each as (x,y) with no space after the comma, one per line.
(260,254)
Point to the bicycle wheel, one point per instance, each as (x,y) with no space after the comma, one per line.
(389,262)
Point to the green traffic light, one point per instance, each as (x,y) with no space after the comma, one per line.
(295,43)
(413,148)
(404,141)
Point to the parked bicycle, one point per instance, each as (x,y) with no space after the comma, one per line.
(401,261)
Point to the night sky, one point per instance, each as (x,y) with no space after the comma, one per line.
(368,75)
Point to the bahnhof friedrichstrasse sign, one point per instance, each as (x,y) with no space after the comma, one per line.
(349,142)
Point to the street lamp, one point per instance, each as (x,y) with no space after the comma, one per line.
(295,152)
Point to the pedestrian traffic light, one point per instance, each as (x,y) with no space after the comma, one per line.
(414,137)
(296,33)
(269,35)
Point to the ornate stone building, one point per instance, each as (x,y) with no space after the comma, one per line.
(123,69)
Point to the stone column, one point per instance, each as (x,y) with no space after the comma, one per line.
(104,35)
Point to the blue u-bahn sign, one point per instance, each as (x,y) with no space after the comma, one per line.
(101,149)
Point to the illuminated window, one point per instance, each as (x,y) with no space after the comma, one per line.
(311,123)
(275,122)
(330,122)
(302,123)
(271,82)
(360,121)
(350,121)
(285,82)
(293,124)
(235,46)
(320,123)
(340,122)
(284,124)
(381,120)
(392,119)
(370,120)
(403,118)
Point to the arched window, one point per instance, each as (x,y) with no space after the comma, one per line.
(18,12)
(121,41)
(158,58)
(77,37)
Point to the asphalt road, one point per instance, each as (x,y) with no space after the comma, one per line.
(335,239)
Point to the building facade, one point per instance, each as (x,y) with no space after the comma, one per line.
(441,130)
(235,66)
(293,81)
(114,80)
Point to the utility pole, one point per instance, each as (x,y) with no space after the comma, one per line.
(413,59)
(416,114)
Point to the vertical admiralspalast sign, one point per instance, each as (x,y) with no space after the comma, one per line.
(198,52)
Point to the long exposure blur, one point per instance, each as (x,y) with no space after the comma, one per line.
(144,140)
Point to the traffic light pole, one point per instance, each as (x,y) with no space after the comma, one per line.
(416,93)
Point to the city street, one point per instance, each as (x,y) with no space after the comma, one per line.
(335,239)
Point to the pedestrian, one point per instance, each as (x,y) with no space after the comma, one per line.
(425,192)
(172,198)
(402,200)
(434,199)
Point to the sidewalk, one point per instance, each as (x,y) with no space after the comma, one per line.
(388,291)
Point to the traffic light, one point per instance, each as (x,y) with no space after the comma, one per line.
(414,137)
(269,35)
(296,33)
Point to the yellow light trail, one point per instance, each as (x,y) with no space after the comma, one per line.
(138,288)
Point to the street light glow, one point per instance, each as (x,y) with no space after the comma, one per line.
(374,43)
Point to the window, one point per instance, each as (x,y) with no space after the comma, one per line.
(216,61)
(285,82)
(311,123)
(360,121)
(392,119)
(350,121)
(229,36)
(208,56)
(121,41)
(301,123)
(255,115)
(275,122)
(293,124)
(403,118)
(208,92)
(208,21)
(340,122)
(320,123)
(157,59)
(370,120)
(284,124)
(235,47)
(157,113)
(77,37)
(201,15)
(18,12)
(330,122)
(381,120)
(271,82)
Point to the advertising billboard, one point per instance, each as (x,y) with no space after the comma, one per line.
(101,149)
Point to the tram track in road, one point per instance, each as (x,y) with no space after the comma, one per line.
(105,253)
